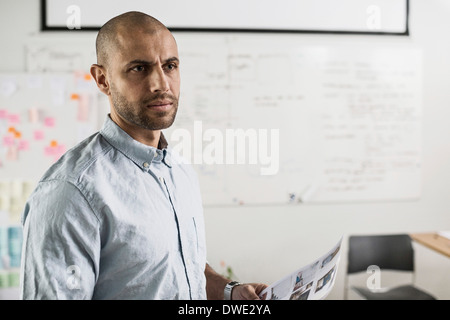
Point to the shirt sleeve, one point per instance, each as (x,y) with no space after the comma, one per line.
(61,244)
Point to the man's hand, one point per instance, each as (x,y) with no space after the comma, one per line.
(215,285)
(247,291)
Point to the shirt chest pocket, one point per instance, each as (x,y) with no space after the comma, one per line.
(196,239)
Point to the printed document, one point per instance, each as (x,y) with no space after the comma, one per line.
(312,282)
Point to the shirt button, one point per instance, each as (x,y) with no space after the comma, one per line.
(146,165)
(161,179)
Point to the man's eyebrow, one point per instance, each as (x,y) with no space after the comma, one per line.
(173,59)
(148,63)
(138,61)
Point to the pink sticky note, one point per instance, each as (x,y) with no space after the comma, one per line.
(38,135)
(49,122)
(8,141)
(49,151)
(54,152)
(13,118)
(24,145)
(3,114)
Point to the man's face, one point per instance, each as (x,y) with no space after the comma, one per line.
(144,79)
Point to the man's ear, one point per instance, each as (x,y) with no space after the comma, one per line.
(98,72)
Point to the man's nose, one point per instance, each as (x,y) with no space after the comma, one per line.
(158,80)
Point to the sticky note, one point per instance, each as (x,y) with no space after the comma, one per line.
(7,88)
(49,122)
(38,135)
(8,141)
(11,154)
(58,89)
(5,203)
(58,98)
(54,150)
(15,188)
(24,145)
(49,151)
(60,150)
(34,82)
(87,77)
(13,118)
(3,113)
(33,115)
(74,96)
(83,108)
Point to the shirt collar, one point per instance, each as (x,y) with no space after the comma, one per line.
(142,155)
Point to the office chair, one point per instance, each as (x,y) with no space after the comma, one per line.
(388,252)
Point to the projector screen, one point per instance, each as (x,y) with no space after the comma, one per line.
(310,16)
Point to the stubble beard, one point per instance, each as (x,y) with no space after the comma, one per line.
(138,113)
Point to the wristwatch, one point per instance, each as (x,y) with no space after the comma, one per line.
(228,288)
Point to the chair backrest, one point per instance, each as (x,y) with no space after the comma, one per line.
(388,252)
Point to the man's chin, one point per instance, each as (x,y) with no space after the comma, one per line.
(163,123)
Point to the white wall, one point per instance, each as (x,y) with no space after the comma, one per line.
(266,243)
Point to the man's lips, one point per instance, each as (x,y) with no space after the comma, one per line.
(160,104)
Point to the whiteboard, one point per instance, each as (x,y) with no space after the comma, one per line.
(348,120)
(341,16)
(345,119)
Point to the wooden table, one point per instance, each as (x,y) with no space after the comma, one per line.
(433,241)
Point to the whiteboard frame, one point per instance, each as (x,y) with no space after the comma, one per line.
(46,27)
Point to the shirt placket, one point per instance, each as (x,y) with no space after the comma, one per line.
(181,230)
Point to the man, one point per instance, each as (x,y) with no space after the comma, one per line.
(119,216)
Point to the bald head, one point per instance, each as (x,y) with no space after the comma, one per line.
(108,38)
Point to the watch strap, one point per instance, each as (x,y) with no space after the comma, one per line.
(228,289)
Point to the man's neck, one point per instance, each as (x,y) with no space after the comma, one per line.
(145,136)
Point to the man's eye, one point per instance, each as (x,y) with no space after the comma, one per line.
(171,66)
(138,68)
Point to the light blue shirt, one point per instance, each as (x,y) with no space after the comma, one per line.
(115,219)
